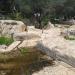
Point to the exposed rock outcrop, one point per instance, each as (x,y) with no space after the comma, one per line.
(49,25)
(8,27)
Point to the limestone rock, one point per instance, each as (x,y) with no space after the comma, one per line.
(3,46)
(50,25)
(71,30)
(8,27)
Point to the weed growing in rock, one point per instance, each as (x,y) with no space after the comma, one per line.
(5,40)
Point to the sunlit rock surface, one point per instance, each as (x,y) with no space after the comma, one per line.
(8,27)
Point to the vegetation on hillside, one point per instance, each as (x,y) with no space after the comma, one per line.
(40,11)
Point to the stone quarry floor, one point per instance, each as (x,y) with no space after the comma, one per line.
(58,69)
(63,49)
(53,40)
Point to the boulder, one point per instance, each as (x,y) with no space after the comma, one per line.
(3,46)
(71,30)
(7,27)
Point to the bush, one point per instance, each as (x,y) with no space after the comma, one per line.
(24,51)
(69,37)
(16,16)
(5,40)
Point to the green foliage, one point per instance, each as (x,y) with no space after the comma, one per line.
(16,16)
(6,6)
(24,50)
(45,21)
(55,9)
(5,40)
(69,37)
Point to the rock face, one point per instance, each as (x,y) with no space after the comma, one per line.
(50,25)
(8,27)
(69,31)
(3,46)
(72,30)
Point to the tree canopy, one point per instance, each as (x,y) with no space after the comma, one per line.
(48,9)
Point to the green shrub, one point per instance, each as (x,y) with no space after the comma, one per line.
(16,16)
(24,50)
(45,21)
(5,40)
(69,37)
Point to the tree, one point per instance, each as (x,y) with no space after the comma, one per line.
(6,6)
(69,10)
(29,8)
(45,10)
